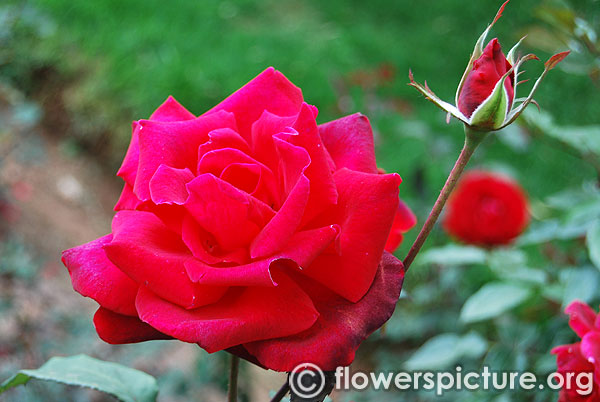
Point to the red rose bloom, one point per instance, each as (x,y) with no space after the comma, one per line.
(249,228)
(481,80)
(581,357)
(486,209)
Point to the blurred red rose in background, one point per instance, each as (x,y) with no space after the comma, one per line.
(486,209)
(249,228)
(581,357)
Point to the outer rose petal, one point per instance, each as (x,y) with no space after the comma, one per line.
(93,275)
(366,207)
(174,144)
(170,110)
(149,253)
(129,167)
(270,91)
(341,327)
(581,318)
(116,329)
(349,141)
(404,220)
(127,200)
(243,315)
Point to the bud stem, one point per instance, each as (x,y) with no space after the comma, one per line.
(472,140)
(232,392)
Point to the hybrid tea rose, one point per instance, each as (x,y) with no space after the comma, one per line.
(581,358)
(250,229)
(485,98)
(486,209)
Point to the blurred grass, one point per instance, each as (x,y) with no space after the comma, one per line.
(142,50)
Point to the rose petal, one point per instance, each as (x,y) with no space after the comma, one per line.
(570,359)
(243,315)
(117,329)
(482,79)
(94,276)
(205,248)
(581,317)
(127,200)
(223,138)
(167,185)
(244,176)
(263,131)
(149,253)
(129,167)
(349,141)
(174,144)
(293,162)
(365,211)
(170,110)
(171,215)
(404,220)
(270,91)
(233,217)
(284,224)
(332,341)
(217,162)
(590,348)
(322,187)
(301,251)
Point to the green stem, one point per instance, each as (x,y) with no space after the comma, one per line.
(472,140)
(233,379)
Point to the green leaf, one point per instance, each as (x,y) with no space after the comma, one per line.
(452,254)
(579,284)
(122,382)
(492,300)
(511,265)
(585,139)
(446,349)
(593,243)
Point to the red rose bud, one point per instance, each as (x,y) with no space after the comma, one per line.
(485,98)
(481,80)
(486,209)
(581,358)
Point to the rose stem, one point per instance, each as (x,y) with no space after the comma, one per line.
(285,388)
(233,379)
(472,140)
